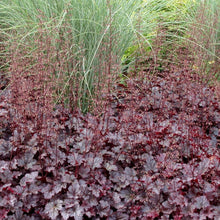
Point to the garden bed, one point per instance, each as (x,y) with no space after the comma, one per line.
(153,154)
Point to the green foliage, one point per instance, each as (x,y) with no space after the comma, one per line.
(88,38)
(86,33)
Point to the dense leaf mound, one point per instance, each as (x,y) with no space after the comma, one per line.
(152,154)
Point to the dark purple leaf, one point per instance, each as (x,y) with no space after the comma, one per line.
(150,164)
(75,159)
(52,209)
(104,208)
(28,178)
(5,147)
(52,189)
(201,202)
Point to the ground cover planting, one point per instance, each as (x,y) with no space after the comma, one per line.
(153,154)
(109,110)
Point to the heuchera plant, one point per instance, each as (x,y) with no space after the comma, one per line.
(153,154)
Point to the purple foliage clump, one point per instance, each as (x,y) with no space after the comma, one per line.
(152,154)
